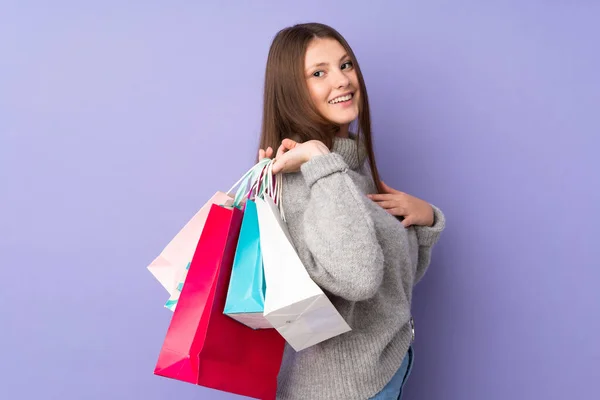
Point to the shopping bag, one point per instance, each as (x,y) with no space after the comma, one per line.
(171,303)
(202,345)
(169,267)
(246,294)
(294,304)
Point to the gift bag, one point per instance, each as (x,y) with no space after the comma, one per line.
(202,345)
(169,267)
(296,307)
(171,304)
(246,294)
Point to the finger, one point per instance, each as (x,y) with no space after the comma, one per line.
(261,154)
(281,151)
(388,189)
(289,144)
(397,211)
(385,187)
(269,152)
(387,204)
(380,197)
(406,222)
(278,165)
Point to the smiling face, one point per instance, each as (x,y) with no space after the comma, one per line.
(332,81)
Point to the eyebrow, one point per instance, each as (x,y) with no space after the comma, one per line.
(322,64)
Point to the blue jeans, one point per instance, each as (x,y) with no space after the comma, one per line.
(393,390)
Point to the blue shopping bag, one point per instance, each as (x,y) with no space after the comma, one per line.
(246,294)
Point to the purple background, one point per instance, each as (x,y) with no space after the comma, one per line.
(119,119)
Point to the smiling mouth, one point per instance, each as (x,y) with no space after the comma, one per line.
(342,99)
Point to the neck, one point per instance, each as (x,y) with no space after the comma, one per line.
(344,131)
(351,149)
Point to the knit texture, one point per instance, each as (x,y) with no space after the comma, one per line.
(366,262)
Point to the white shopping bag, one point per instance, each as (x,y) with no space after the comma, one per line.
(294,304)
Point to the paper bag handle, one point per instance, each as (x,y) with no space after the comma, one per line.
(272,187)
(248,178)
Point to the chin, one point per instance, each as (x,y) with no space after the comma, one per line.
(343,119)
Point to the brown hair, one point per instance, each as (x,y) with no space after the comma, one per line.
(288,111)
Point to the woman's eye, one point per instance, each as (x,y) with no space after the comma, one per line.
(318,74)
(347,64)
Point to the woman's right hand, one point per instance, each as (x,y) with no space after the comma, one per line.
(291,154)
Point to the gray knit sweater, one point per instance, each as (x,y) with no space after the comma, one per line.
(366,262)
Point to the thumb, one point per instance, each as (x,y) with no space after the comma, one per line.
(288,144)
(407,221)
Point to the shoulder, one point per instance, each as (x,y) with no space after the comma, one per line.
(295,194)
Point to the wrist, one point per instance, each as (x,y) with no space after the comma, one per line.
(317,149)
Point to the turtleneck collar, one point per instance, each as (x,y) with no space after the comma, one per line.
(347,148)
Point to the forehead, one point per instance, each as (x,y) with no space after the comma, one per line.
(323,50)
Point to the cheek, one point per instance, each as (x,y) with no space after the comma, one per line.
(354,80)
(318,93)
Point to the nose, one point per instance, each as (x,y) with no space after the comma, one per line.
(341,80)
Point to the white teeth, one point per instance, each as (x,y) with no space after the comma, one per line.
(340,99)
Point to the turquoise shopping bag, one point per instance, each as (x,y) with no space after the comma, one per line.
(246,294)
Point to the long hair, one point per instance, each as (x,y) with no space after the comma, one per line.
(288,111)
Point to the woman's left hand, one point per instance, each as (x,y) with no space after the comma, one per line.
(414,210)
(291,154)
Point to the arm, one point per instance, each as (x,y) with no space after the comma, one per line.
(427,236)
(340,235)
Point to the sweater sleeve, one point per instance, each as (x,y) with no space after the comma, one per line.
(427,236)
(339,232)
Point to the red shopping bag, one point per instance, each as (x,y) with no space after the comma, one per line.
(205,347)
